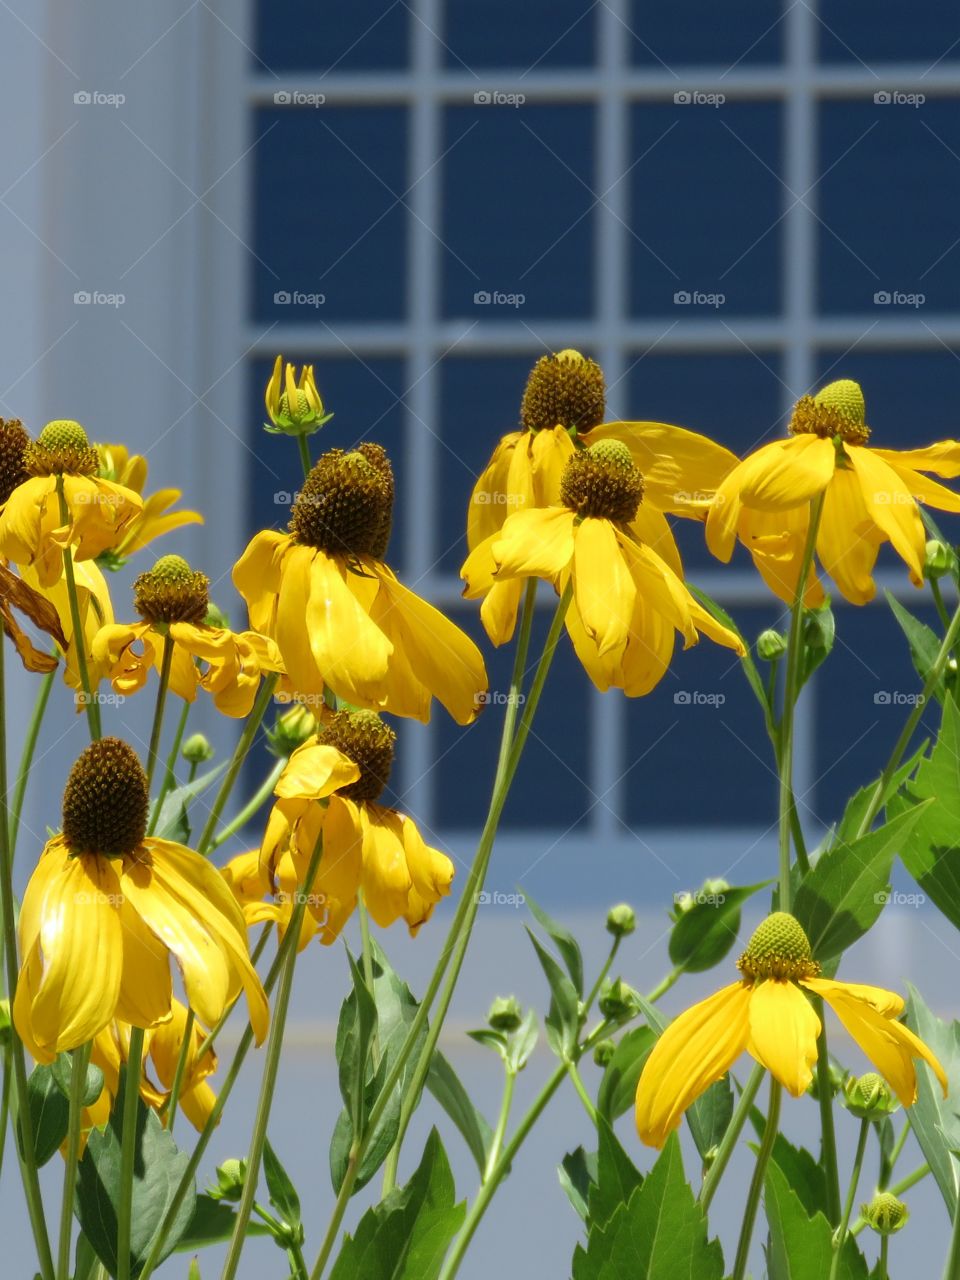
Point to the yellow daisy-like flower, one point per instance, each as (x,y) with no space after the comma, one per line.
(768,1015)
(627,600)
(339,615)
(32,530)
(172,599)
(330,788)
(869,497)
(106,908)
(155,518)
(562,411)
(294,406)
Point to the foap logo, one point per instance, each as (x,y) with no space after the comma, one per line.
(497,298)
(494,898)
(697,98)
(81,699)
(497,98)
(896,98)
(698,497)
(697,698)
(897,298)
(97,98)
(894,898)
(298,298)
(496,698)
(298,98)
(700,898)
(896,698)
(497,498)
(97,298)
(697,298)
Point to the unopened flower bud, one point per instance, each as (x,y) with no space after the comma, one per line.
(505,1014)
(617,1000)
(603,1051)
(836,1080)
(230,1178)
(771,645)
(197,749)
(869,1097)
(939,559)
(294,404)
(291,730)
(621,920)
(215,617)
(885,1213)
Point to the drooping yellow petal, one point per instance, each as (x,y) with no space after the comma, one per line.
(488,507)
(349,650)
(498,612)
(776,541)
(889,1003)
(341,866)
(696,1049)
(520,493)
(786,473)
(848,538)
(535,544)
(386,878)
(314,771)
(551,449)
(257,577)
(922,487)
(430,870)
(652,528)
(783,1033)
(146,990)
(682,470)
(605,671)
(943,458)
(603,585)
(892,508)
(649,650)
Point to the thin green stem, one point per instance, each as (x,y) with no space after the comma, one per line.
(153,753)
(664,985)
(840,1234)
(828,1136)
(577,1081)
(304,447)
(878,795)
(26,1147)
(251,808)
(5,1102)
(91,705)
(26,757)
(759,1172)
(78,1080)
(244,743)
(938,601)
(602,975)
(888,1165)
(365,944)
(897,1189)
(729,1140)
(170,769)
(496,1141)
(128,1151)
(268,1082)
(180,1070)
(790,694)
(883,1265)
(952,1270)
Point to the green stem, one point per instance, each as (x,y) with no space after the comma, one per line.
(153,753)
(498,1134)
(731,1137)
(5,1103)
(170,769)
(581,1088)
(26,1147)
(933,678)
(78,1080)
(251,808)
(664,985)
(26,757)
(897,1189)
(938,601)
(91,705)
(244,743)
(304,447)
(208,1042)
(510,753)
(759,1170)
(828,1136)
(887,1167)
(952,1269)
(840,1234)
(128,1151)
(365,945)
(790,694)
(269,1081)
(180,1070)
(883,1264)
(601,976)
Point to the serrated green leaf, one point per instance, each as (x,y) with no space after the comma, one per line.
(801,1246)
(564,941)
(619,1084)
(705,933)
(49,1112)
(578,1174)
(845,892)
(659,1234)
(444,1083)
(563,1020)
(923,642)
(617,1177)
(282,1192)
(932,1117)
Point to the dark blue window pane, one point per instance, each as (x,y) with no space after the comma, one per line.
(687,33)
(550,788)
(328,214)
(706,210)
(518,229)
(736,400)
(365,398)
(704,719)
(866,31)
(300,35)
(500,33)
(888,237)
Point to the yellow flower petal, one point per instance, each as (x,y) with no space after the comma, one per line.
(786,473)
(146,990)
(386,879)
(783,1033)
(848,539)
(681,469)
(943,458)
(498,612)
(889,1003)
(257,576)
(488,508)
(535,544)
(341,867)
(652,528)
(776,542)
(892,508)
(603,586)
(349,650)
(551,450)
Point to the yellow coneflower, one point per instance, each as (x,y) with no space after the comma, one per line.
(32,530)
(105,909)
(869,497)
(627,600)
(172,600)
(155,519)
(339,615)
(563,410)
(768,1014)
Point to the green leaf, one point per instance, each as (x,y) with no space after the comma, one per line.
(845,892)
(444,1083)
(377,1149)
(659,1234)
(932,1118)
(212,1222)
(282,1192)
(173,822)
(619,1084)
(406,1236)
(578,1175)
(522,1042)
(85,1263)
(801,1246)
(158,1168)
(49,1112)
(705,933)
(923,642)
(804,1174)
(858,804)
(617,1178)
(563,1020)
(564,941)
(358,1021)
(93,1082)
(819,631)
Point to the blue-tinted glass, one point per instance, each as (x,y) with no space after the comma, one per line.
(363,395)
(866,31)
(328,216)
(736,400)
(911,396)
(888,235)
(299,35)
(704,714)
(518,192)
(550,787)
(694,33)
(538,33)
(870,676)
(705,224)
